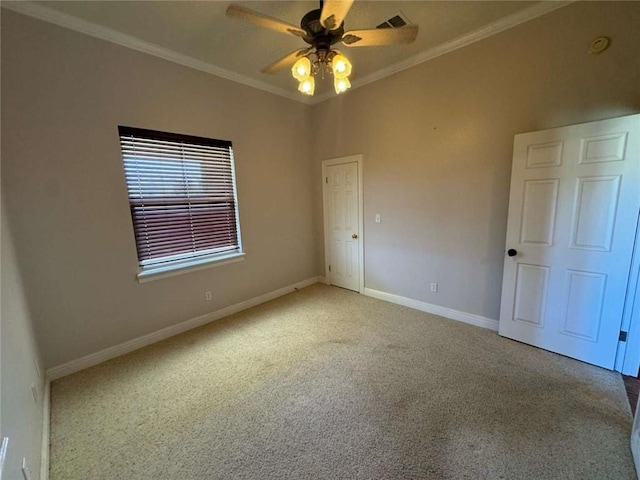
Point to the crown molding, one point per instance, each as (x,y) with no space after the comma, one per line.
(50,15)
(489,30)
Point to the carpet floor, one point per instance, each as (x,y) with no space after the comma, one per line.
(328,384)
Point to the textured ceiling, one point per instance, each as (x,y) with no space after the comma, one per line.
(202,31)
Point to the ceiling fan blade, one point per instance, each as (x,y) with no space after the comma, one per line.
(251,16)
(333,13)
(380,36)
(286,61)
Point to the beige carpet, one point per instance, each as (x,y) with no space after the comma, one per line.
(327,384)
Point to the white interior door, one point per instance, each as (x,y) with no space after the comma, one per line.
(343,226)
(573,209)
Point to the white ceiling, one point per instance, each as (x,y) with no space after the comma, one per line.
(199,34)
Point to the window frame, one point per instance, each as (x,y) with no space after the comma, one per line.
(194,262)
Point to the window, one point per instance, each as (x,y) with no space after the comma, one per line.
(182,197)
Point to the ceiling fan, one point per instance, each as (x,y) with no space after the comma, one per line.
(321,29)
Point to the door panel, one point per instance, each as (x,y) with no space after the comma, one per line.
(573,208)
(544,155)
(344,260)
(595,212)
(531,294)
(585,298)
(603,148)
(539,211)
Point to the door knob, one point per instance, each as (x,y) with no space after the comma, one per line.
(355,235)
(512,252)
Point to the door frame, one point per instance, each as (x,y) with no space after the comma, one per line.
(339,161)
(628,354)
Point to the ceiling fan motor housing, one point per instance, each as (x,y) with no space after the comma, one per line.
(317,35)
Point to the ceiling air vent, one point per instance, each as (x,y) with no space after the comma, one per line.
(397,21)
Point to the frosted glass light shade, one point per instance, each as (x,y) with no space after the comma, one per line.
(341,84)
(307,85)
(341,66)
(301,69)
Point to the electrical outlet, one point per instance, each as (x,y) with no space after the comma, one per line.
(207,296)
(434,288)
(26,473)
(377,218)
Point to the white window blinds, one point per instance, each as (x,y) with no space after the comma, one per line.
(182,195)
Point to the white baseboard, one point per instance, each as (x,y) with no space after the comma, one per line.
(323,280)
(470,318)
(46,422)
(112,352)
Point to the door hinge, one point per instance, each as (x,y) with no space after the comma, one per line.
(326,179)
(329,267)
(623,337)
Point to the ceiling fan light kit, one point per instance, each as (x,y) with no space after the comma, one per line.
(331,63)
(326,64)
(322,28)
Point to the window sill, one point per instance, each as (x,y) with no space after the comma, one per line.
(156,273)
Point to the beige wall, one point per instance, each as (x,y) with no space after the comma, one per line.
(63,96)
(20,416)
(437,142)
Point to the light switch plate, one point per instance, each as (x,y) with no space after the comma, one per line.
(377,218)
